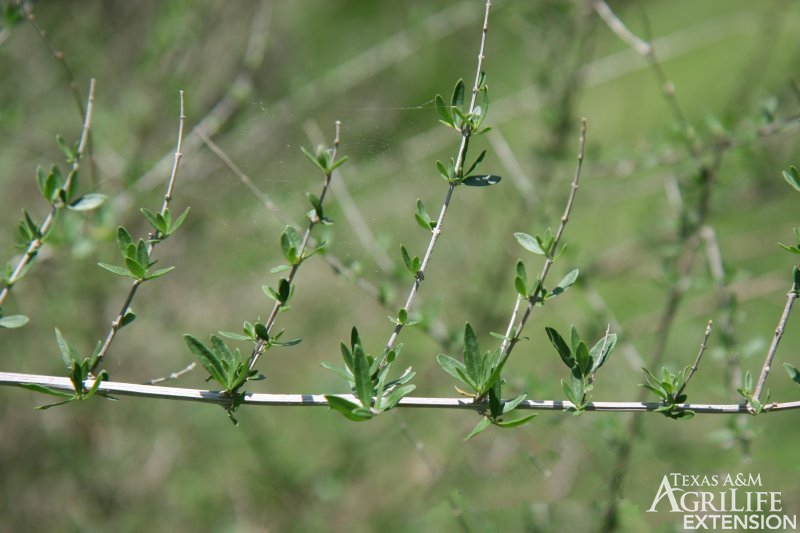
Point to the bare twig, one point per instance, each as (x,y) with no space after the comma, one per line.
(466,133)
(791,296)
(116,324)
(36,244)
(318,400)
(350,209)
(172,375)
(509,342)
(58,55)
(703,346)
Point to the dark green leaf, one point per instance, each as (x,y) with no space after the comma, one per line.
(444,111)
(516,422)
(793,372)
(472,356)
(561,347)
(124,239)
(348,408)
(137,271)
(46,390)
(127,318)
(178,221)
(262,332)
(477,162)
(481,180)
(157,222)
(458,94)
(792,177)
(443,171)
(207,358)
(361,375)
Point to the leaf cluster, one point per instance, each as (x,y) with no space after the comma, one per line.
(369,381)
(79,370)
(481,373)
(670,390)
(583,363)
(136,257)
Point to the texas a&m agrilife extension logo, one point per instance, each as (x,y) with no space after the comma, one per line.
(732,501)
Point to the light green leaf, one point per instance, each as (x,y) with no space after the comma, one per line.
(529,243)
(480,426)
(88,202)
(13,321)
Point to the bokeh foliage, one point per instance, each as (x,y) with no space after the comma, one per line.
(137,464)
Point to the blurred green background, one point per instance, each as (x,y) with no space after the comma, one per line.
(263,79)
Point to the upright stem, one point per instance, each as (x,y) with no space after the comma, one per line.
(36,244)
(776,339)
(116,324)
(261,344)
(466,133)
(509,342)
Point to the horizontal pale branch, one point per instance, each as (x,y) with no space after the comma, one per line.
(318,400)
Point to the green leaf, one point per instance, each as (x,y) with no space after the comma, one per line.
(563,350)
(341,372)
(452,366)
(519,285)
(394,397)
(311,157)
(443,171)
(234,336)
(339,162)
(65,149)
(13,321)
(101,377)
(516,422)
(160,272)
(569,393)
(793,372)
(137,271)
(142,256)
(792,177)
(412,264)
(529,243)
(565,283)
(127,318)
(120,271)
(480,426)
(207,358)
(477,162)
(601,358)
(69,356)
(472,356)
(444,111)
(481,180)
(261,331)
(156,220)
(458,94)
(88,202)
(46,390)
(178,221)
(362,377)
(348,408)
(422,216)
(510,405)
(123,240)
(583,358)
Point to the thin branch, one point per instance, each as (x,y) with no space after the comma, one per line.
(703,346)
(466,133)
(351,210)
(58,55)
(36,244)
(318,400)
(172,375)
(262,345)
(776,339)
(116,324)
(509,342)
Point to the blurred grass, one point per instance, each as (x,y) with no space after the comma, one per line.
(139,464)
